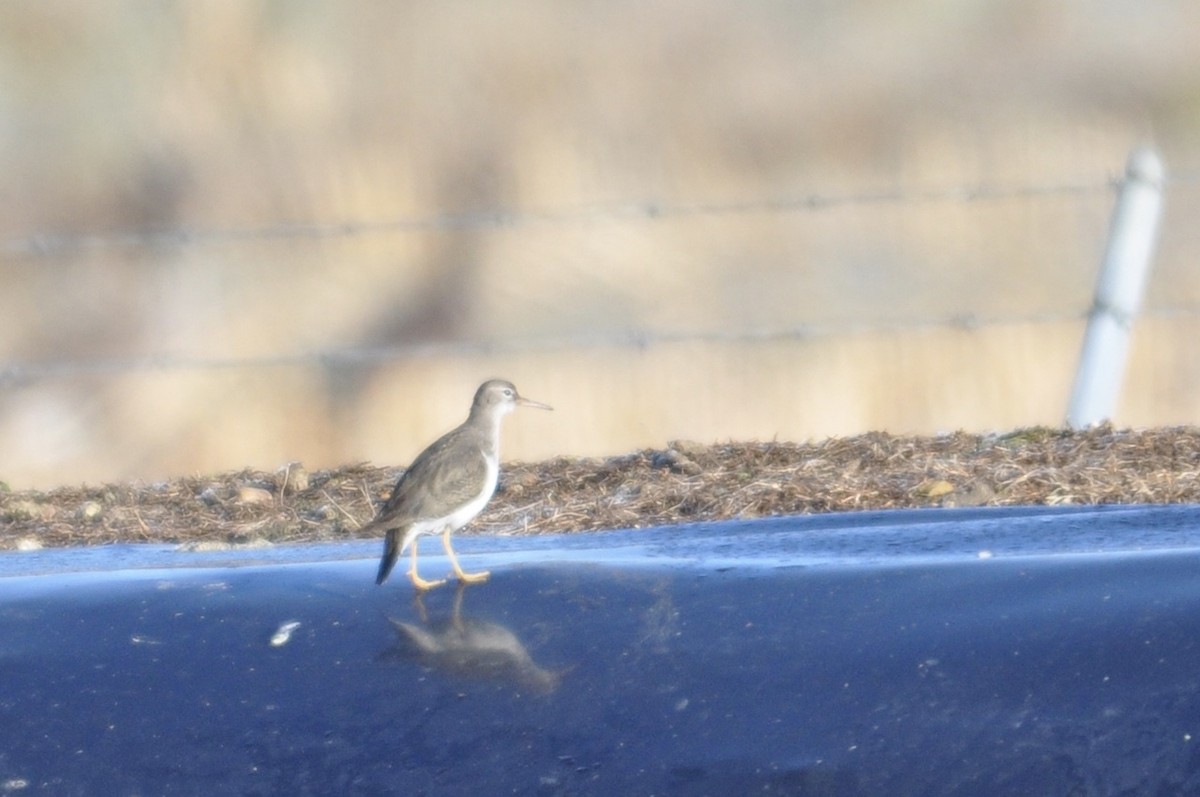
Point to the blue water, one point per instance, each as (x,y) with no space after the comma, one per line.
(963,652)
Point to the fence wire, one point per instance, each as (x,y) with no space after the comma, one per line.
(58,244)
(14,375)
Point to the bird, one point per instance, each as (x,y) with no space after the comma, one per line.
(448,484)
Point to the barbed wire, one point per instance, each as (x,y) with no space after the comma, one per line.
(54,244)
(57,244)
(15,375)
(49,245)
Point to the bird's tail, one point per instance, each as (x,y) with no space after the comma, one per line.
(391,553)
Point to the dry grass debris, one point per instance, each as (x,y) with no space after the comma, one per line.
(685,482)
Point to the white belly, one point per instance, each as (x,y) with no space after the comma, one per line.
(460,517)
(468,512)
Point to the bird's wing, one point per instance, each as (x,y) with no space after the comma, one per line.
(442,479)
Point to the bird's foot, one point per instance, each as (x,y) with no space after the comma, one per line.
(422,584)
(472,578)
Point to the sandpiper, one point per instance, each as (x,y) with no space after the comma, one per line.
(448,484)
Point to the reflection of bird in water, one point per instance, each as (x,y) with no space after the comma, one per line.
(468,648)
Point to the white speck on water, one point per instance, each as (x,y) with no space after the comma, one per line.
(284,633)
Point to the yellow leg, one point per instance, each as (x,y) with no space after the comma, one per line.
(417,581)
(463,576)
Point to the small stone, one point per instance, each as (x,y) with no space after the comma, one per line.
(89,510)
(675,461)
(690,448)
(525,479)
(209,497)
(291,478)
(935,488)
(254,495)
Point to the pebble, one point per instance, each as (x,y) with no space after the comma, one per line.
(254,495)
(291,478)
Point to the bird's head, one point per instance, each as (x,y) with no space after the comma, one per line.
(500,397)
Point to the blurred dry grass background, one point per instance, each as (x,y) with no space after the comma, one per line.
(932,312)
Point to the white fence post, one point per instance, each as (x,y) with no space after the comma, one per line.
(1131,239)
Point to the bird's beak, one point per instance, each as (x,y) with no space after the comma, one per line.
(537,405)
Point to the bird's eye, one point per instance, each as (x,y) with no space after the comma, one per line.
(508,392)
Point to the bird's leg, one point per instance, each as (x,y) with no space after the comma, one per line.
(417,581)
(465,577)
